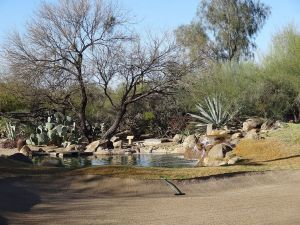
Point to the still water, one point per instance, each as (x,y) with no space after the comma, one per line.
(141,160)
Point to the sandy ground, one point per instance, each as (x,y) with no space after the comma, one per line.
(270,198)
(7,151)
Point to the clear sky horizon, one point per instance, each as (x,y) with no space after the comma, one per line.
(159,16)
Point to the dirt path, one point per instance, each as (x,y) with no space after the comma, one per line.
(271,198)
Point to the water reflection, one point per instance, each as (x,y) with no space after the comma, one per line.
(141,160)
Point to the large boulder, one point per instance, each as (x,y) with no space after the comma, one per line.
(178,138)
(207,161)
(193,153)
(267,125)
(189,142)
(252,134)
(252,123)
(99,145)
(20,157)
(219,151)
(25,150)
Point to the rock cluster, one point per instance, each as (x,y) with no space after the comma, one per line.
(215,148)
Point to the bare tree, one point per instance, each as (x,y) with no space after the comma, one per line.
(80,42)
(139,70)
(55,49)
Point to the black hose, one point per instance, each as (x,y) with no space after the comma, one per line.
(173,186)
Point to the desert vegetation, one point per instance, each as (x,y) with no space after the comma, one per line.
(79,78)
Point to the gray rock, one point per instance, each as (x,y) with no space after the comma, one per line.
(25,150)
(237,135)
(278,124)
(178,138)
(252,123)
(234,160)
(252,134)
(117,144)
(218,151)
(213,162)
(189,142)
(104,144)
(267,125)
(71,147)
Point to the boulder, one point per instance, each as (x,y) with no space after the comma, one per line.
(234,160)
(207,161)
(237,135)
(189,142)
(71,148)
(178,138)
(20,143)
(278,124)
(52,162)
(117,144)
(219,151)
(25,150)
(252,134)
(267,125)
(20,157)
(252,123)
(193,153)
(234,142)
(104,144)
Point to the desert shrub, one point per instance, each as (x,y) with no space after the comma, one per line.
(270,88)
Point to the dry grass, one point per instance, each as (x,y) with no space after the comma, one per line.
(261,150)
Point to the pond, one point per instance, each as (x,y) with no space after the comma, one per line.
(140,160)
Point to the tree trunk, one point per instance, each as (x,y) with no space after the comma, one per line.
(112,130)
(83,105)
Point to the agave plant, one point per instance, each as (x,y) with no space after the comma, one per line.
(11,130)
(213,113)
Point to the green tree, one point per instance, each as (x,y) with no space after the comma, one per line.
(225,29)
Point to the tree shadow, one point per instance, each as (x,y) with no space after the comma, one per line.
(3,221)
(283,158)
(15,198)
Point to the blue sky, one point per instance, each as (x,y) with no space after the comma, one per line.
(159,15)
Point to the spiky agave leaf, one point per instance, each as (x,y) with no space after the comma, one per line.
(212,113)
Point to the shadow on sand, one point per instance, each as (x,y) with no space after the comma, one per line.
(15,199)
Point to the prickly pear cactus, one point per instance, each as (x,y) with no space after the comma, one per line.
(58,130)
